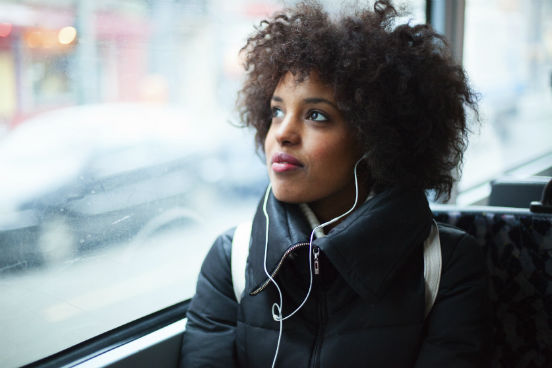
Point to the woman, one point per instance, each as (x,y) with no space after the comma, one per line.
(357,118)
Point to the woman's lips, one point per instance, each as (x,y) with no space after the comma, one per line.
(282,162)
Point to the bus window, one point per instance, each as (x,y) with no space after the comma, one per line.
(119,164)
(508,57)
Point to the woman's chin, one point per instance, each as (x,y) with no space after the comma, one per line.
(288,196)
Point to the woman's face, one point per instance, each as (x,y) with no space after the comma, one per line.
(310,149)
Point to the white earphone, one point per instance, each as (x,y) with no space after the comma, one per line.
(278,307)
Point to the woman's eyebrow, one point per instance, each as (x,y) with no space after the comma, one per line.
(310,100)
(315,100)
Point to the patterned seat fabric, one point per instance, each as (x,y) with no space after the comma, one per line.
(518,247)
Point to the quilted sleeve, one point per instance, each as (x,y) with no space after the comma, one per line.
(210,330)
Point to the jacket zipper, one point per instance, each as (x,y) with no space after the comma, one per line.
(316,253)
(273,275)
(321,306)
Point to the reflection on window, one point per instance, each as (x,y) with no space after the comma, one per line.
(119,166)
(508,57)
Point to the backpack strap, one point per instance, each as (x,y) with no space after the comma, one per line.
(432,267)
(240,252)
(432,262)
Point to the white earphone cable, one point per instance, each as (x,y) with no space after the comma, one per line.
(278,316)
(278,307)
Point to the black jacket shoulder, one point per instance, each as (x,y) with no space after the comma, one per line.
(461,312)
(210,329)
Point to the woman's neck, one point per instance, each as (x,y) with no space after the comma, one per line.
(337,204)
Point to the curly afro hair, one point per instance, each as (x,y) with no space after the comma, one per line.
(397,86)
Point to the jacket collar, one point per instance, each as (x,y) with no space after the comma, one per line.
(367,248)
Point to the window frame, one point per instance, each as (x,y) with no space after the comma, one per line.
(113,339)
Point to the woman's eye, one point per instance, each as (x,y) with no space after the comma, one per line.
(317,116)
(277,113)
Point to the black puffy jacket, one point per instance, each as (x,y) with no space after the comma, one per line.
(367,303)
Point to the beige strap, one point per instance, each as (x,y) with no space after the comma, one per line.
(240,251)
(432,267)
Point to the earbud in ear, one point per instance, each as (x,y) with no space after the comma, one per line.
(364,156)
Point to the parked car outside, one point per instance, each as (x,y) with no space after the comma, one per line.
(79,179)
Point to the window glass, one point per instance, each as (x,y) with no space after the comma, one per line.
(508,57)
(119,163)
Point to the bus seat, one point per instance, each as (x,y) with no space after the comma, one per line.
(545,204)
(515,192)
(518,248)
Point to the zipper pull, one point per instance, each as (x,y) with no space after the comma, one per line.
(316,253)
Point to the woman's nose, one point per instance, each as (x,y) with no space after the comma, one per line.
(288,131)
